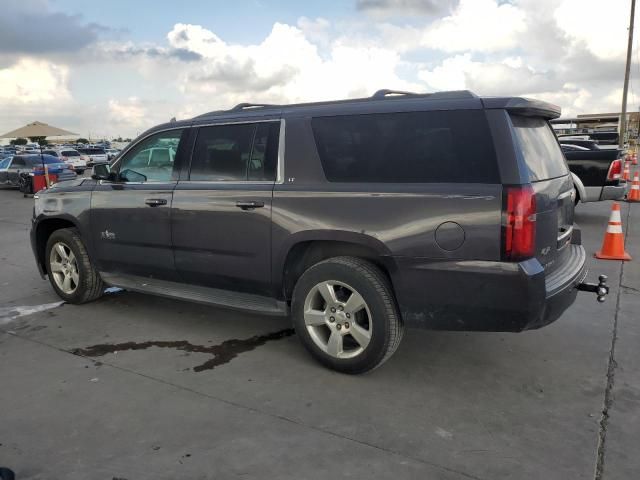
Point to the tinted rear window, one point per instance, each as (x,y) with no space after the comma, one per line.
(412,147)
(70,153)
(539,147)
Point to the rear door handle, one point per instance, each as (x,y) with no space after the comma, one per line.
(155,202)
(249,205)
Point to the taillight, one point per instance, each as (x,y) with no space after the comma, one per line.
(615,169)
(519,223)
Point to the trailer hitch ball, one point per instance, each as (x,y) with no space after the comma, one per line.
(601,289)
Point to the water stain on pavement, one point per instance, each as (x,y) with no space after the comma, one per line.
(222,353)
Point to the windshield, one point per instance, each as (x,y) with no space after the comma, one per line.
(539,147)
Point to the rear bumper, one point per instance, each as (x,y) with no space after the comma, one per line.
(614,192)
(486,296)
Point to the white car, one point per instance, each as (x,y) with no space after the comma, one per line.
(112,153)
(75,159)
(96,155)
(71,157)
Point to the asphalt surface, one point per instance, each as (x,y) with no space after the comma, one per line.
(140,387)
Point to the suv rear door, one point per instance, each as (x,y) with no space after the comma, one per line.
(554,192)
(221,215)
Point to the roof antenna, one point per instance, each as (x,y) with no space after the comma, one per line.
(173,120)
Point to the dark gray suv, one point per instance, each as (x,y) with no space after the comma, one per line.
(356,218)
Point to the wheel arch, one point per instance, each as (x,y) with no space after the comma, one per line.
(43,231)
(305,250)
(581,192)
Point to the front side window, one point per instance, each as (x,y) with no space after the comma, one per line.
(153,159)
(237,152)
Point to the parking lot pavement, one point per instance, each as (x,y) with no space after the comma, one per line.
(136,387)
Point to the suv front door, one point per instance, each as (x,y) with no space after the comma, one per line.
(130,216)
(221,214)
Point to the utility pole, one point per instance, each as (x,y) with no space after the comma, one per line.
(623,117)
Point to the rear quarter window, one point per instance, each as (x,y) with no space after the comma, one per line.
(411,147)
(540,149)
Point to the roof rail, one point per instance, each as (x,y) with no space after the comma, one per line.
(450,94)
(243,106)
(385,91)
(454,94)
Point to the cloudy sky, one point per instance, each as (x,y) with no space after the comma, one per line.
(108,68)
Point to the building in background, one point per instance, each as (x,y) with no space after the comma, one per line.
(604,127)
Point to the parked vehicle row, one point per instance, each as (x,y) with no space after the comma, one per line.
(17,170)
(356,218)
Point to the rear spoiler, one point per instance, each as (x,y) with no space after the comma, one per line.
(523,106)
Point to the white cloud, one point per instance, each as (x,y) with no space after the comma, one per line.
(601,27)
(285,67)
(477,25)
(32,81)
(510,76)
(129,111)
(569,52)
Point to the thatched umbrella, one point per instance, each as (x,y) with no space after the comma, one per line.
(38,129)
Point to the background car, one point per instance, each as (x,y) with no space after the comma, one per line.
(596,172)
(71,157)
(95,155)
(4,165)
(112,153)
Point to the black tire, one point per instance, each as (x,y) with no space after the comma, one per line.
(90,286)
(386,325)
(6,474)
(25,184)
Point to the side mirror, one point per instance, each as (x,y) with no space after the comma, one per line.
(101,171)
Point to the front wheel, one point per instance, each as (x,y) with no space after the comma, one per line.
(345,314)
(70,272)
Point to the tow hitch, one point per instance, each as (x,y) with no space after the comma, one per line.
(601,289)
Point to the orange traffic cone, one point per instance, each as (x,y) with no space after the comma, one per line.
(613,244)
(634,160)
(626,174)
(634,193)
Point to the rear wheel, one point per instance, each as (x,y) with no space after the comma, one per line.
(345,314)
(70,272)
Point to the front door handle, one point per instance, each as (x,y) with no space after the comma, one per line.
(249,205)
(155,202)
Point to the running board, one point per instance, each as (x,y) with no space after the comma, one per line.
(194,293)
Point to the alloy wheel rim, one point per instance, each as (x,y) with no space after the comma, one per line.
(64,268)
(338,319)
